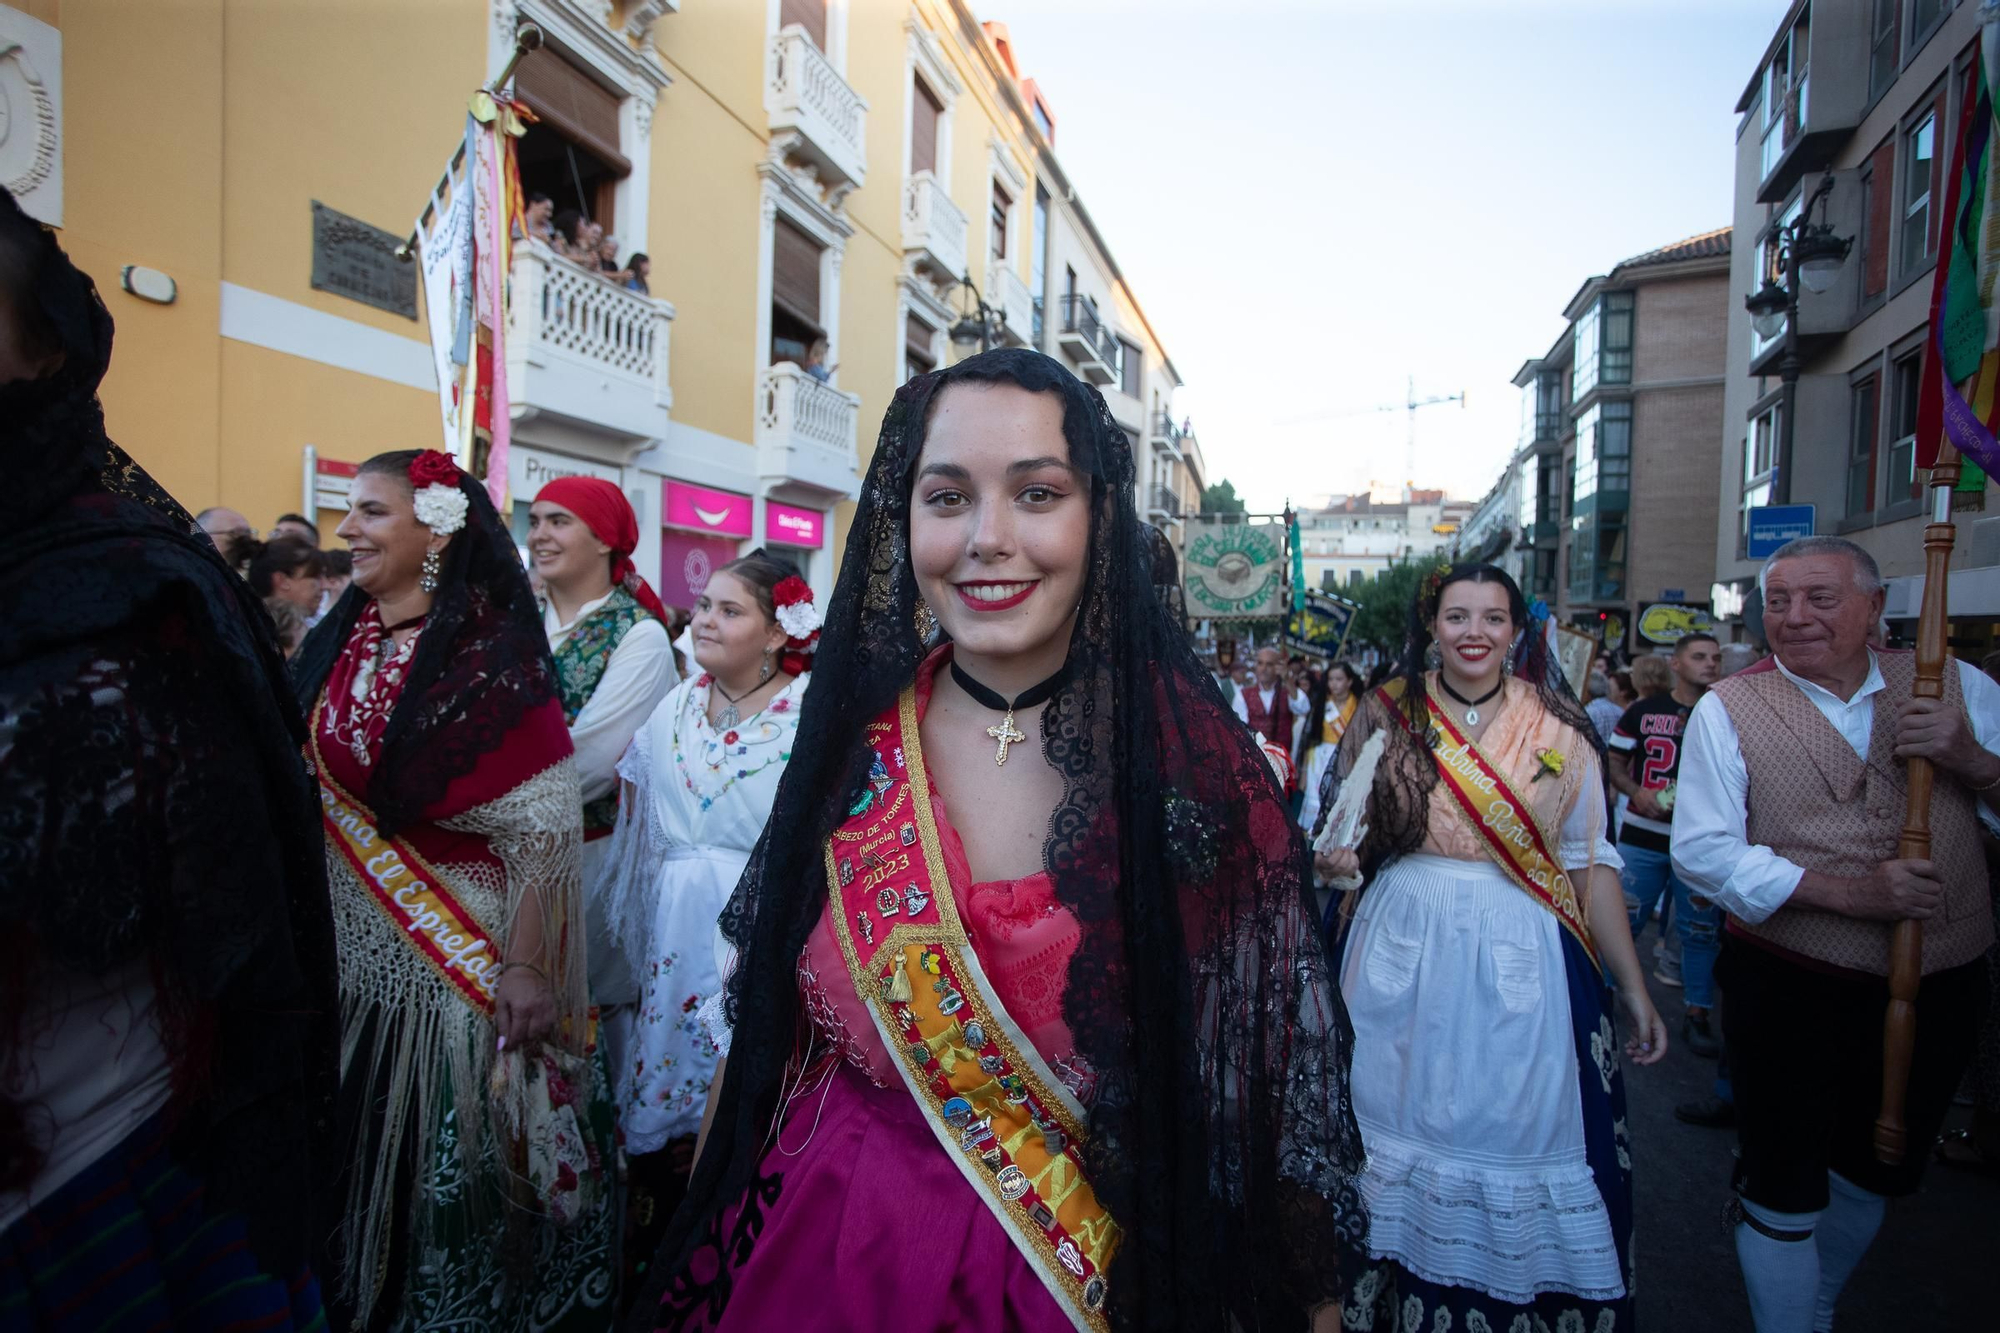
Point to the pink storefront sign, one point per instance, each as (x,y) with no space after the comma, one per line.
(687,560)
(785,525)
(699,509)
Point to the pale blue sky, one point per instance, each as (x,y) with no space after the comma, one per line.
(1315,200)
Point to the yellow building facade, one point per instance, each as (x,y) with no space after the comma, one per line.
(796,170)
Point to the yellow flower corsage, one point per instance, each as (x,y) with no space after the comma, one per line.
(1551,762)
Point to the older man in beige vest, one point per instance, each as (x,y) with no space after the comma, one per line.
(1792,791)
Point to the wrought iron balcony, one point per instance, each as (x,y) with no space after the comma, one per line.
(1086,341)
(1169,433)
(1163,502)
(808,100)
(933,227)
(585,352)
(805,434)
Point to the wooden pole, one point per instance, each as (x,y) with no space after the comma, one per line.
(1906,938)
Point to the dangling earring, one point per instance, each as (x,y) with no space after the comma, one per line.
(1433,657)
(765,673)
(1507,663)
(433,564)
(927,625)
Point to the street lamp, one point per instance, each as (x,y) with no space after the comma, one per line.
(980,323)
(1808,253)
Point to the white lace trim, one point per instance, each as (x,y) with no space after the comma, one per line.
(1512,1234)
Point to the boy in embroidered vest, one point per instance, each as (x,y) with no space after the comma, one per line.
(1792,792)
(607,632)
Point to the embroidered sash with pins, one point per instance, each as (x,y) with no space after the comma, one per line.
(580,664)
(987,1094)
(1505,822)
(409,891)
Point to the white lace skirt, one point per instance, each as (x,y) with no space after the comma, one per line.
(1465,1087)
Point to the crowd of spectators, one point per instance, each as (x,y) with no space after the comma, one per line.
(576,238)
(296,581)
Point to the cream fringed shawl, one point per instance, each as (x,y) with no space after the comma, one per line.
(412,1036)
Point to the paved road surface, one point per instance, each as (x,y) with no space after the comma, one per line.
(1935,1266)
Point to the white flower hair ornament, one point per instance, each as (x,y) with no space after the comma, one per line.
(795,609)
(441,505)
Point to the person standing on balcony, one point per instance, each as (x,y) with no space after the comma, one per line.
(640,273)
(1792,798)
(815,363)
(607,634)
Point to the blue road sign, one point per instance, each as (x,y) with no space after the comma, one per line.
(1771,526)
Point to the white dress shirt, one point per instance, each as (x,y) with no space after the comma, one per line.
(1242,702)
(1712,852)
(637,677)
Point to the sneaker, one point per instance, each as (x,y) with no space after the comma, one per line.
(1700,1037)
(1660,947)
(1668,973)
(1710,1113)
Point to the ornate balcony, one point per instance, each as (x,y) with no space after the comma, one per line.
(584,352)
(933,228)
(805,436)
(1011,294)
(1168,434)
(824,120)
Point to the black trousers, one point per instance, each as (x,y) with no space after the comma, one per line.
(1805,1055)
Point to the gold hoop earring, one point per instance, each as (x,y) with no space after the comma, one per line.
(433,566)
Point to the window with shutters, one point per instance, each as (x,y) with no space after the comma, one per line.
(807,14)
(919,344)
(996,223)
(572,154)
(795,295)
(925,111)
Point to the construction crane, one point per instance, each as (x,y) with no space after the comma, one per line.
(1410,404)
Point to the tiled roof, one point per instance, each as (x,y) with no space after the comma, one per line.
(1708,245)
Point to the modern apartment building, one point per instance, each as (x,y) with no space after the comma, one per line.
(1622,405)
(1870,95)
(797,170)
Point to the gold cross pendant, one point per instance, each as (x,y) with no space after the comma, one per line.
(1007,734)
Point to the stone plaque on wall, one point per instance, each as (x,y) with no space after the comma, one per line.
(31,162)
(355,260)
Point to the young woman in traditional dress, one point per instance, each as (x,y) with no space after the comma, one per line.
(475,1130)
(168,1013)
(1334,701)
(608,634)
(1486,1073)
(1030,1027)
(700,778)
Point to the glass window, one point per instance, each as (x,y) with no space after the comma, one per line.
(1919,162)
(1038,259)
(1603,344)
(1584,344)
(997,221)
(1925,15)
(1861,448)
(1760,450)
(1131,365)
(1905,376)
(1882,47)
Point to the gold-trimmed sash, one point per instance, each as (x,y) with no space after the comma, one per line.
(1506,823)
(987,1094)
(409,892)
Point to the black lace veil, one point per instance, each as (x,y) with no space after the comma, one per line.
(1399,806)
(1220,1131)
(481,665)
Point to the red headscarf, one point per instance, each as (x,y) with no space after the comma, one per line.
(608,514)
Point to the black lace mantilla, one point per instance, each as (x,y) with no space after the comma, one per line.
(154,810)
(1220,1130)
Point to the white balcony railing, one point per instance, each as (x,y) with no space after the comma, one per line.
(806,96)
(805,432)
(583,350)
(934,227)
(1010,293)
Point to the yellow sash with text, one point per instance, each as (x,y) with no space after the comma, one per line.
(994,1105)
(409,892)
(1505,822)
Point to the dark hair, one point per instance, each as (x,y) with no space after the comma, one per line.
(280,555)
(336,564)
(1420,634)
(567,224)
(537,197)
(762,572)
(300,519)
(1355,680)
(1623,680)
(1699,636)
(638,257)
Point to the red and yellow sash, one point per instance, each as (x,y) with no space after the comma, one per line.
(995,1106)
(1506,822)
(409,892)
